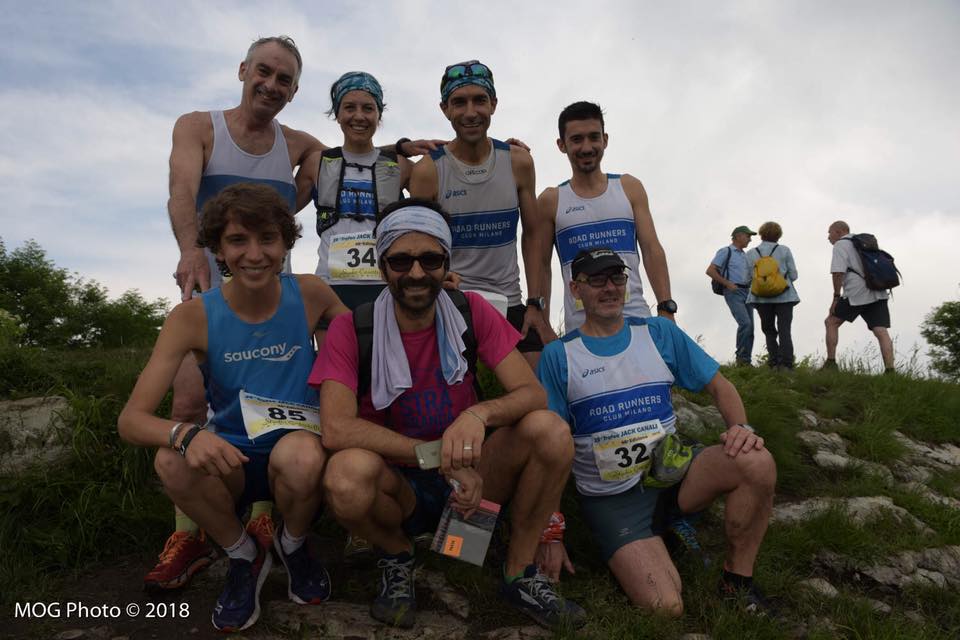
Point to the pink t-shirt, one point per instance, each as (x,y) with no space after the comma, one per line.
(424,410)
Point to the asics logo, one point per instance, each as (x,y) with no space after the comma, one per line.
(273,353)
(455,193)
(475,172)
(572,209)
(590,372)
(526,597)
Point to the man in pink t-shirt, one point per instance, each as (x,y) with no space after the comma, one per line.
(421,389)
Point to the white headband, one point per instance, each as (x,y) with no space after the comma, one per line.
(413,218)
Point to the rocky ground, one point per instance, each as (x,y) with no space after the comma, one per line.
(447,610)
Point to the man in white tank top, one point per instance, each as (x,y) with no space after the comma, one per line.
(210,151)
(592,209)
(483,183)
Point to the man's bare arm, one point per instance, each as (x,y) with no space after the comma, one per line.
(343,429)
(524,175)
(424,181)
(186,168)
(654,257)
(541,246)
(736,439)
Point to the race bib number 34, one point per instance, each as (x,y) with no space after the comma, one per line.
(262,415)
(353,256)
(624,452)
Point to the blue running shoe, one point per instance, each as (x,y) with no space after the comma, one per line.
(238,606)
(396,604)
(681,537)
(534,595)
(307,580)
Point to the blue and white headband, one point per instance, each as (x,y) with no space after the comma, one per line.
(413,218)
(355,81)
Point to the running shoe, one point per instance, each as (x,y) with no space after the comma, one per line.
(396,604)
(534,595)
(238,606)
(751,599)
(183,555)
(262,529)
(357,549)
(307,580)
(681,537)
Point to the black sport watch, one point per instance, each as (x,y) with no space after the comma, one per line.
(537,302)
(667,305)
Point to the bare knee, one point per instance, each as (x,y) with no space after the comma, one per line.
(667,602)
(547,436)
(757,468)
(172,470)
(297,461)
(350,482)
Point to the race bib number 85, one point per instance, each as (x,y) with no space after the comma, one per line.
(262,415)
(624,452)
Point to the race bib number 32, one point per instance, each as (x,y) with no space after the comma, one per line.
(624,452)
(353,256)
(262,415)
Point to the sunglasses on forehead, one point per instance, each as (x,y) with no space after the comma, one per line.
(600,279)
(403,262)
(467,69)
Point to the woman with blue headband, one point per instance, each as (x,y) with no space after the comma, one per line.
(352,183)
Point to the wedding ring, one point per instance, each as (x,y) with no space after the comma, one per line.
(468,447)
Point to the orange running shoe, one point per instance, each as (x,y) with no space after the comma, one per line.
(183,555)
(262,529)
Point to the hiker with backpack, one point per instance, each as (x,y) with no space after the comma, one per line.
(420,355)
(862,274)
(772,293)
(730,275)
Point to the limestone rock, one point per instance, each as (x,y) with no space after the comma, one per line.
(938,568)
(860,510)
(456,603)
(694,420)
(943,457)
(808,419)
(71,634)
(819,441)
(837,461)
(879,606)
(930,495)
(349,620)
(31,432)
(821,586)
(909,472)
(517,633)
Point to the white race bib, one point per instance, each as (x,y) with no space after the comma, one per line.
(262,415)
(353,256)
(624,452)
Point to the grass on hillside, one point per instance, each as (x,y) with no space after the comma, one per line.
(104,501)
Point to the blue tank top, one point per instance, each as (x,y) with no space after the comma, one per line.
(271,359)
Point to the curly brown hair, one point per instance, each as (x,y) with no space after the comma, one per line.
(255,206)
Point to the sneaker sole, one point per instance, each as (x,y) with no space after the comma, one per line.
(290,594)
(541,620)
(264,571)
(184,578)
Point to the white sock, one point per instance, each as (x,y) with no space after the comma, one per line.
(289,543)
(243,549)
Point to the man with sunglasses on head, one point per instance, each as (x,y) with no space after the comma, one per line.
(487,186)
(421,388)
(611,380)
(591,209)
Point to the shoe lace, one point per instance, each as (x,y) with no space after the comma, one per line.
(261,526)
(540,588)
(175,543)
(398,577)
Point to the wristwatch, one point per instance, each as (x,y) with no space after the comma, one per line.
(537,302)
(667,305)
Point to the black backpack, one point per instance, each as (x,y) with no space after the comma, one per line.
(878,269)
(363,327)
(718,288)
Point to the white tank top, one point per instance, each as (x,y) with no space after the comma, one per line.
(584,223)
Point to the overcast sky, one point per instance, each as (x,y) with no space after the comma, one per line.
(730,113)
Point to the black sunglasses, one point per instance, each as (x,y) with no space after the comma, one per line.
(600,279)
(403,262)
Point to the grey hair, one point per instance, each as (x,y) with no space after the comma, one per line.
(284,41)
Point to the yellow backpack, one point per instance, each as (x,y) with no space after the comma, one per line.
(767,279)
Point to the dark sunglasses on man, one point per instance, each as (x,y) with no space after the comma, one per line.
(403,262)
(599,280)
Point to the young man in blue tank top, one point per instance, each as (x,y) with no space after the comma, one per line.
(611,380)
(487,186)
(253,339)
(592,209)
